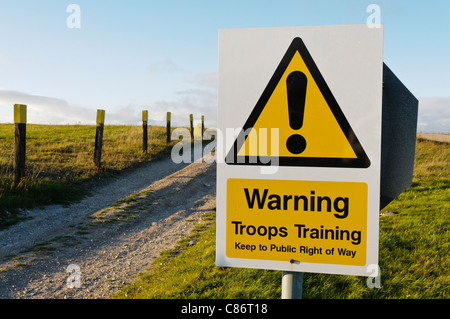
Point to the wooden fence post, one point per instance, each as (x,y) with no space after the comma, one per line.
(191,120)
(168,127)
(99,138)
(203,125)
(144,131)
(20,138)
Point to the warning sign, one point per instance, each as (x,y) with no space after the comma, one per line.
(311,127)
(303,221)
(298,161)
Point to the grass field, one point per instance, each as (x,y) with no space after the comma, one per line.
(59,162)
(414,252)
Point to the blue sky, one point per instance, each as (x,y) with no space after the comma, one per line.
(162,55)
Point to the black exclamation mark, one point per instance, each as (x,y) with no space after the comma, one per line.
(296,94)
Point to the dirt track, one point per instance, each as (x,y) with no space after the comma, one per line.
(109,241)
(435,137)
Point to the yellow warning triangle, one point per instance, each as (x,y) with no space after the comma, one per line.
(297,121)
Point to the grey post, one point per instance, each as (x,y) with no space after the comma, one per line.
(291,285)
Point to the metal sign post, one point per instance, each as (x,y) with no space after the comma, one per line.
(291,285)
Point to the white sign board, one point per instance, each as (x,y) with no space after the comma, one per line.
(298,163)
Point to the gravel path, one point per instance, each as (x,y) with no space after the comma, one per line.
(108,238)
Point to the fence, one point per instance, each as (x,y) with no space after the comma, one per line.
(20,120)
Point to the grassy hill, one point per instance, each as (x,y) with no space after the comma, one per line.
(59,162)
(414,252)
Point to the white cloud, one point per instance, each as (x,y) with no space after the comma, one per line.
(194,101)
(207,80)
(42,109)
(434,115)
(198,101)
(164,66)
(50,110)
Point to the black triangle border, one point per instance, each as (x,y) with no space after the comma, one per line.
(362,161)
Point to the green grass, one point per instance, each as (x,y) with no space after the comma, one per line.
(414,252)
(59,162)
